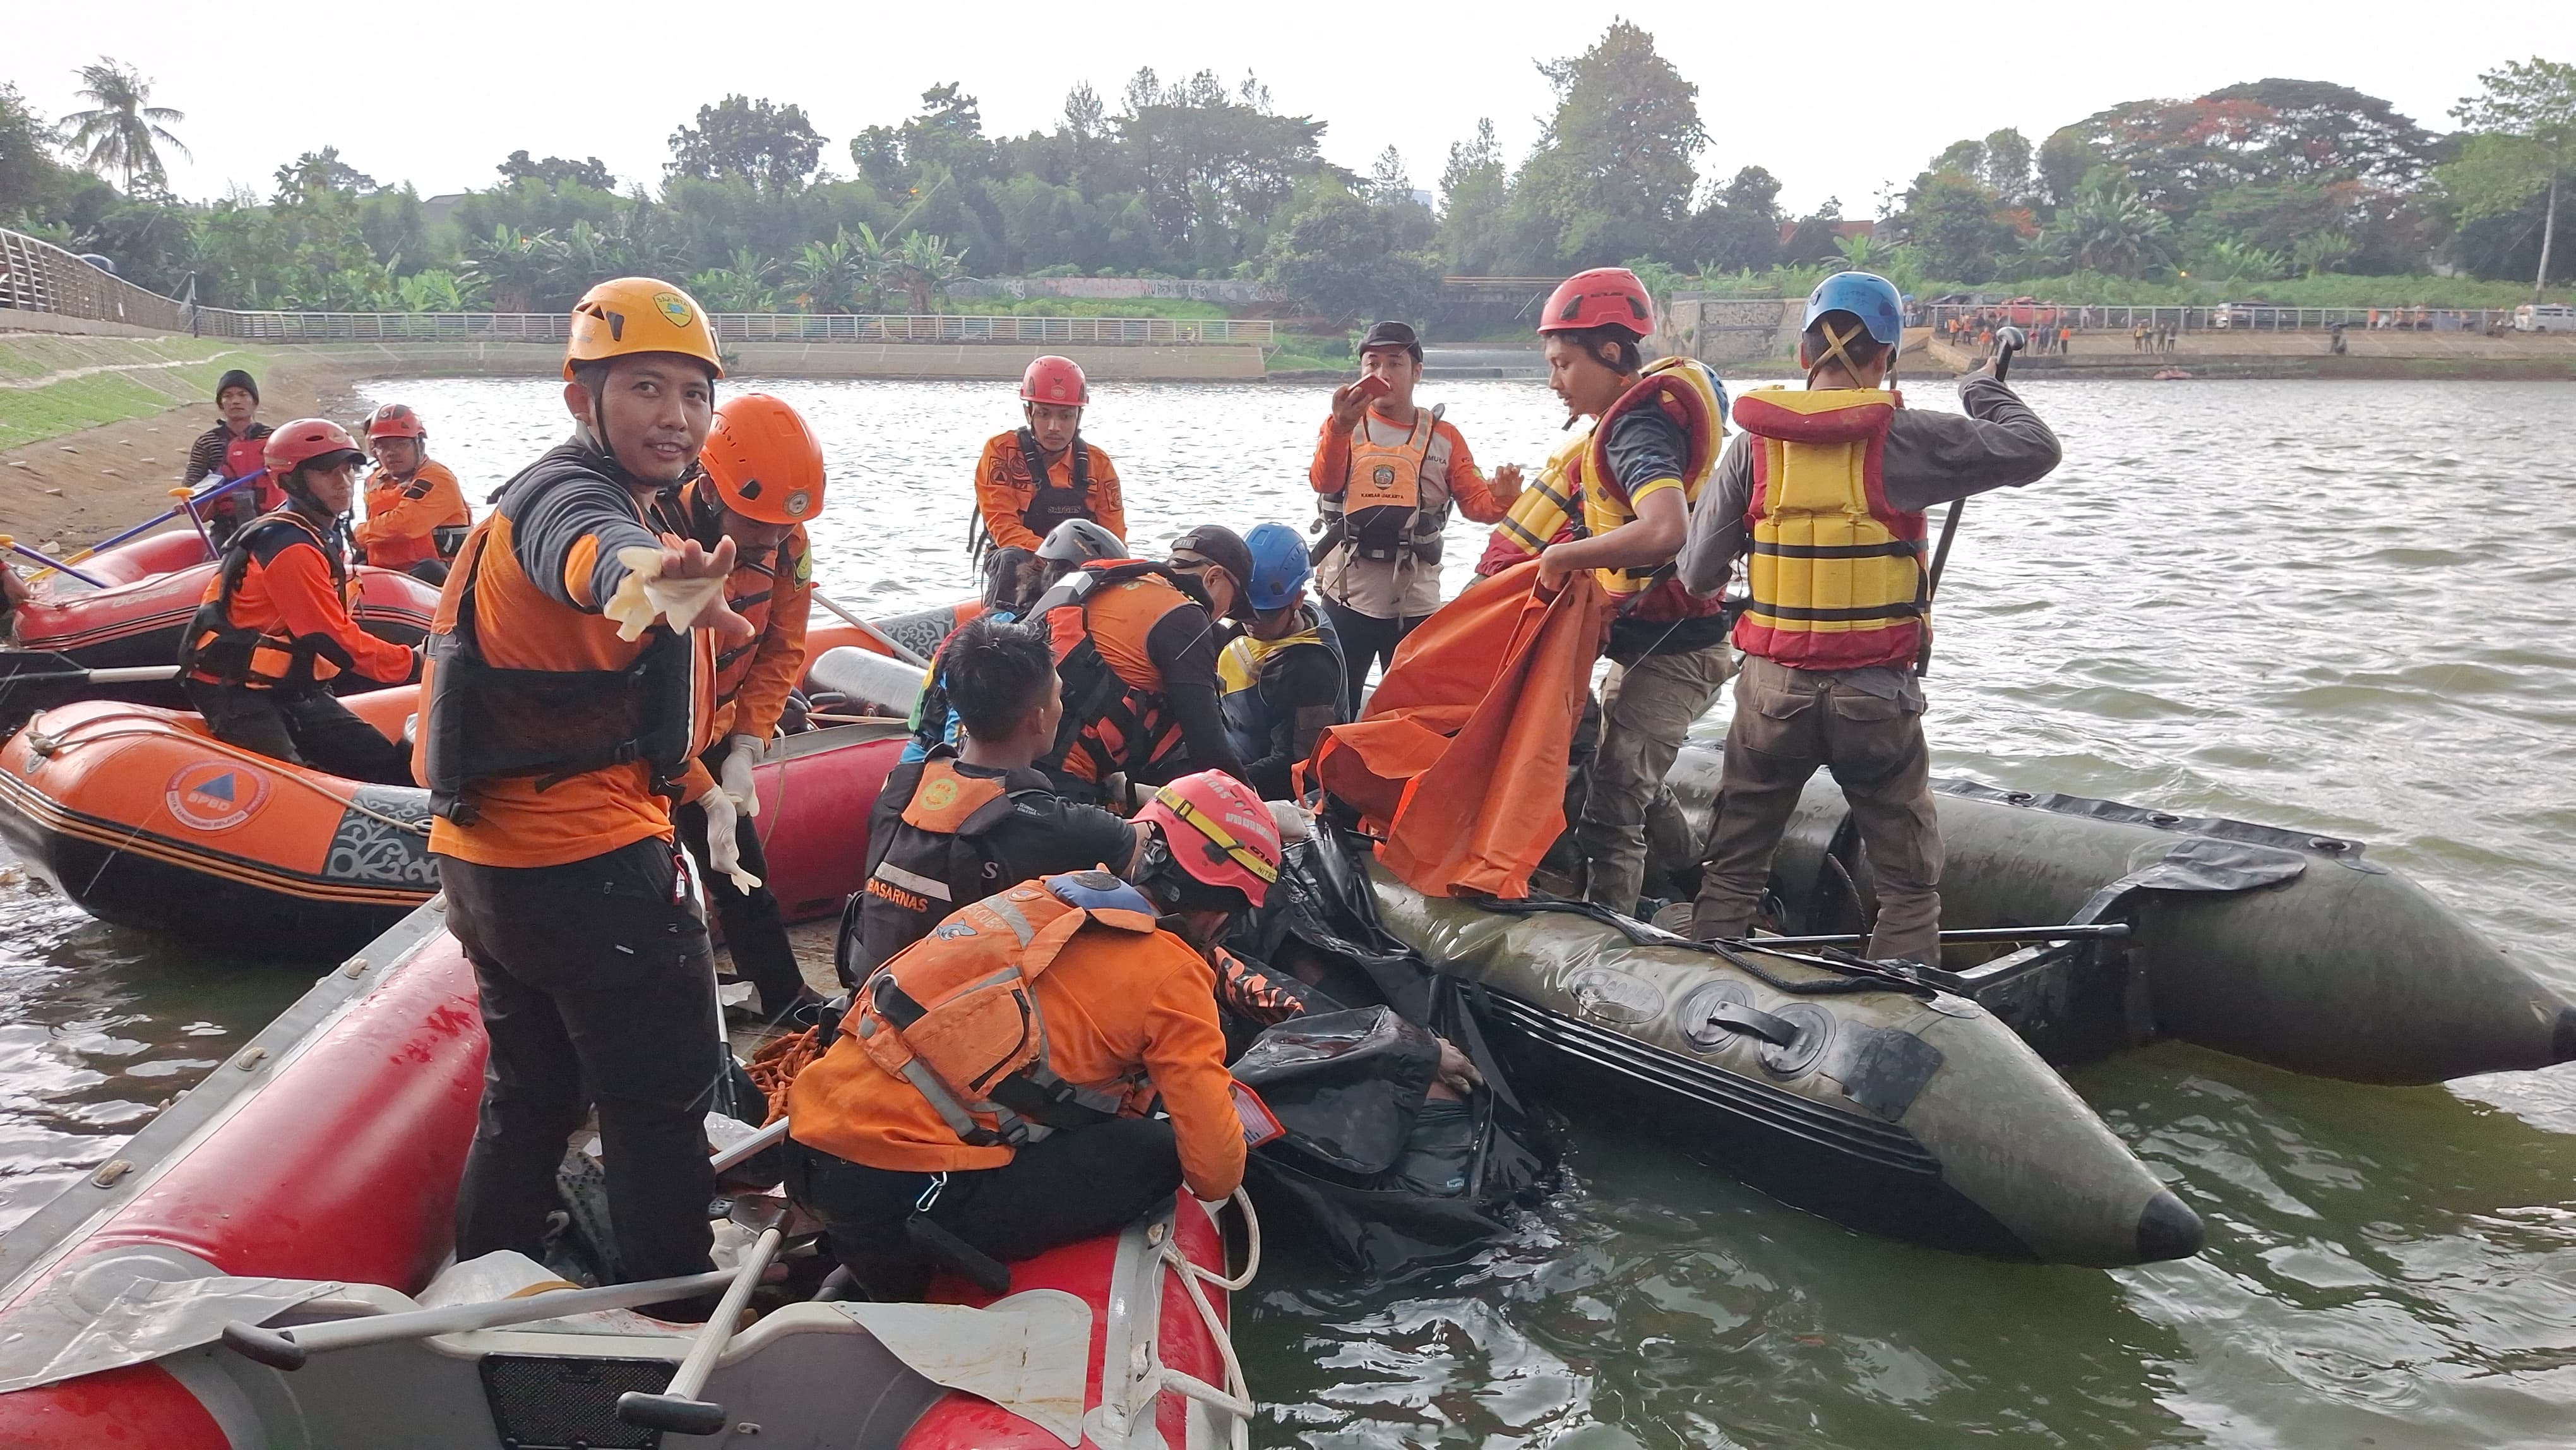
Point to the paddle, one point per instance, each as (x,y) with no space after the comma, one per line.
(871,631)
(289,1348)
(2007,342)
(678,1409)
(41,667)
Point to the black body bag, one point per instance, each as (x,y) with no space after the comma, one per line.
(1372,1172)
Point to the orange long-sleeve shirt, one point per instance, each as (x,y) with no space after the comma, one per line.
(1114,1002)
(404,513)
(291,595)
(1004,487)
(1388,589)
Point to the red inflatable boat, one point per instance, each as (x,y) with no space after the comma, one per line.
(139,621)
(141,818)
(313,1177)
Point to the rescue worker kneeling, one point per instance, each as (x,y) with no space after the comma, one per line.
(275,628)
(760,479)
(1096,997)
(972,817)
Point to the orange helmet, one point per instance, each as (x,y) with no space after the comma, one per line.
(764,461)
(1601,297)
(1218,833)
(639,314)
(395,420)
(307,440)
(1053,379)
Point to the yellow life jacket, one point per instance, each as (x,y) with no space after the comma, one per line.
(1545,511)
(1240,667)
(1689,394)
(1836,573)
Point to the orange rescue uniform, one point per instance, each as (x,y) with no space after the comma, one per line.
(403,515)
(775,592)
(541,565)
(1004,489)
(276,615)
(1113,1002)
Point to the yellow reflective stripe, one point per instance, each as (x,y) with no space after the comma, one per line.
(1199,820)
(1650,488)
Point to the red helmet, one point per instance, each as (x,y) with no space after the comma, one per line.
(1053,379)
(394,420)
(1218,831)
(764,460)
(308,440)
(1602,297)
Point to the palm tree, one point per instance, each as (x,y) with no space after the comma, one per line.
(1862,253)
(2110,229)
(120,130)
(826,275)
(922,267)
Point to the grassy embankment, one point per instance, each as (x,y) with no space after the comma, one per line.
(97,380)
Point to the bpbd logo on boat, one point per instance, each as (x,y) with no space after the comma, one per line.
(215,795)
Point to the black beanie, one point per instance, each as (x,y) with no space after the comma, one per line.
(236,378)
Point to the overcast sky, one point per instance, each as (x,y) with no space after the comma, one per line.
(436,94)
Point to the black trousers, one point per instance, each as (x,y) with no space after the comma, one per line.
(301,729)
(1072,1185)
(754,931)
(1366,640)
(597,989)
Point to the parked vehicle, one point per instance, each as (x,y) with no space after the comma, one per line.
(2544,317)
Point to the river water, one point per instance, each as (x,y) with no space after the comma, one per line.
(2340,606)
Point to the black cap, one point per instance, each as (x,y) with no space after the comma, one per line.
(1218,545)
(236,378)
(1393,334)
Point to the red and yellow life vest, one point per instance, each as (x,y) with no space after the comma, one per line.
(1836,573)
(1687,392)
(1544,514)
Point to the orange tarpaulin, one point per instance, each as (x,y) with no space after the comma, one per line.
(1458,763)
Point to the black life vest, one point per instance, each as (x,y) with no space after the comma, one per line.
(1246,671)
(1051,503)
(240,655)
(484,720)
(926,858)
(1110,724)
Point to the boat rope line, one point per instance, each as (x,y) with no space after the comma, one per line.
(1853,974)
(46,746)
(1236,1398)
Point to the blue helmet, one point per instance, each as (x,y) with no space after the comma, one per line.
(1872,299)
(1279,567)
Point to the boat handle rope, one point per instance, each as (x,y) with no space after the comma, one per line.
(45,745)
(1235,1400)
(1854,974)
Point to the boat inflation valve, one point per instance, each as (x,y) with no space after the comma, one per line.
(1810,1028)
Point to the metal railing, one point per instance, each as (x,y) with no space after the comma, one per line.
(2224,317)
(737,327)
(37,276)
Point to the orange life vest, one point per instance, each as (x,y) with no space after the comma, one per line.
(1380,505)
(1115,716)
(754,587)
(1836,573)
(264,657)
(956,1015)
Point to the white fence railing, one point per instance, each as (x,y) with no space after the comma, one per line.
(2224,317)
(37,276)
(547,327)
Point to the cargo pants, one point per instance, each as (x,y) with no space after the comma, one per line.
(1787,723)
(1646,709)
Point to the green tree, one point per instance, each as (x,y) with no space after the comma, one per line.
(922,267)
(2533,104)
(2110,228)
(29,176)
(2321,252)
(1739,226)
(1344,259)
(2007,165)
(1474,189)
(746,283)
(835,276)
(1612,174)
(1953,219)
(772,145)
(122,130)
(590,171)
(2238,261)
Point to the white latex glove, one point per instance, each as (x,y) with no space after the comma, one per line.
(644,596)
(1294,824)
(723,852)
(741,753)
